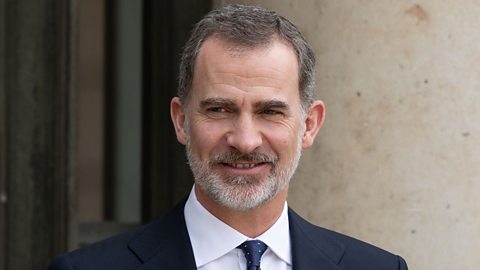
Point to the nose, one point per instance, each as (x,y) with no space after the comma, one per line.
(244,136)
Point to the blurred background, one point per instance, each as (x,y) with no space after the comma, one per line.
(87,149)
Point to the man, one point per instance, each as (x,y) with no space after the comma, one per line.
(245,110)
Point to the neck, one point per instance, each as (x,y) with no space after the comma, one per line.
(251,223)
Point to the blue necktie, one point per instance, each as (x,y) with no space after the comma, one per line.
(253,251)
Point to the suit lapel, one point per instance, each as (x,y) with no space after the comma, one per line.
(312,248)
(165,244)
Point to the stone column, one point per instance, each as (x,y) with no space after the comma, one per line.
(397,162)
(37,88)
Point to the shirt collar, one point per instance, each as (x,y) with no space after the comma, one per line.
(277,237)
(211,238)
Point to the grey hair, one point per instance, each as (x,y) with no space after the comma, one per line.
(248,27)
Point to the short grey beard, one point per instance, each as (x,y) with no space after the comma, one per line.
(240,192)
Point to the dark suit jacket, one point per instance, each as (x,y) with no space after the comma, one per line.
(165,244)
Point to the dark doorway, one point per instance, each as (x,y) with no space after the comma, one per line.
(167,178)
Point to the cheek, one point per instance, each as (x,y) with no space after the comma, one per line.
(205,139)
(283,141)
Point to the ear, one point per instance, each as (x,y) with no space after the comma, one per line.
(178,118)
(313,122)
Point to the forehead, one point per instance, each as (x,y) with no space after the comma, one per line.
(221,69)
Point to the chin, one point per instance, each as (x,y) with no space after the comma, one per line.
(242,194)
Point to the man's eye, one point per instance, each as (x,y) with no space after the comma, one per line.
(271,112)
(216,110)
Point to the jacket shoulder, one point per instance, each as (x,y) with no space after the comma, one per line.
(110,253)
(130,249)
(360,254)
(344,250)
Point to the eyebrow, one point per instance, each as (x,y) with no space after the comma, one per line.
(272,104)
(225,102)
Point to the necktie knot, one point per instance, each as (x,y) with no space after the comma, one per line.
(253,251)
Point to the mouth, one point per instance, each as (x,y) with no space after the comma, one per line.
(242,165)
(246,168)
(236,164)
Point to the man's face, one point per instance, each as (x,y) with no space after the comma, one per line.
(243,125)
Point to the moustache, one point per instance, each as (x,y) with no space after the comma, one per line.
(232,157)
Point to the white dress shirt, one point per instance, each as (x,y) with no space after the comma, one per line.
(214,243)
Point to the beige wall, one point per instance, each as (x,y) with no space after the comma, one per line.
(397,163)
